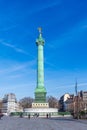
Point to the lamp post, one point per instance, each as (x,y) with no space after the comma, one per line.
(77,100)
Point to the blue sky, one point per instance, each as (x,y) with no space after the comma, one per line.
(64,24)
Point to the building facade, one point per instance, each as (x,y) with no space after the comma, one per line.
(66,102)
(10,104)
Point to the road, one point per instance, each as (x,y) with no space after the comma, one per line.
(17,123)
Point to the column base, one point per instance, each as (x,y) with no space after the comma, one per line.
(40,105)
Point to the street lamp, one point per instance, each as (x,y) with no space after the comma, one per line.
(77,100)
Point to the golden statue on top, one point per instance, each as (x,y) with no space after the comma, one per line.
(40,30)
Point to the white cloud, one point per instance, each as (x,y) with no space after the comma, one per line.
(12,66)
(19,50)
(17,77)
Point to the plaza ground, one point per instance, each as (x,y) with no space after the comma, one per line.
(63,123)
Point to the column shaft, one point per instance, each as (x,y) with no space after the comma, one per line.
(40,67)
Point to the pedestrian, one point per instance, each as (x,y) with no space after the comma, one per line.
(28,116)
(47,115)
(36,114)
(21,114)
(1,114)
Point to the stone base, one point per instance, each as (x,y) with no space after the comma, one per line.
(41,111)
(40,105)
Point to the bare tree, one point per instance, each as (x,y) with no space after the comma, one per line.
(26,102)
(53,102)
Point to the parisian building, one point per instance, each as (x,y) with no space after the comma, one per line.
(10,104)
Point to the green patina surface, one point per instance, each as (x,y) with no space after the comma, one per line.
(40,91)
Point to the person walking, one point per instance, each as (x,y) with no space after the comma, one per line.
(28,116)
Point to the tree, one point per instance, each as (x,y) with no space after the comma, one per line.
(26,102)
(53,102)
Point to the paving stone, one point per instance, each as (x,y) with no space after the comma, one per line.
(17,123)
